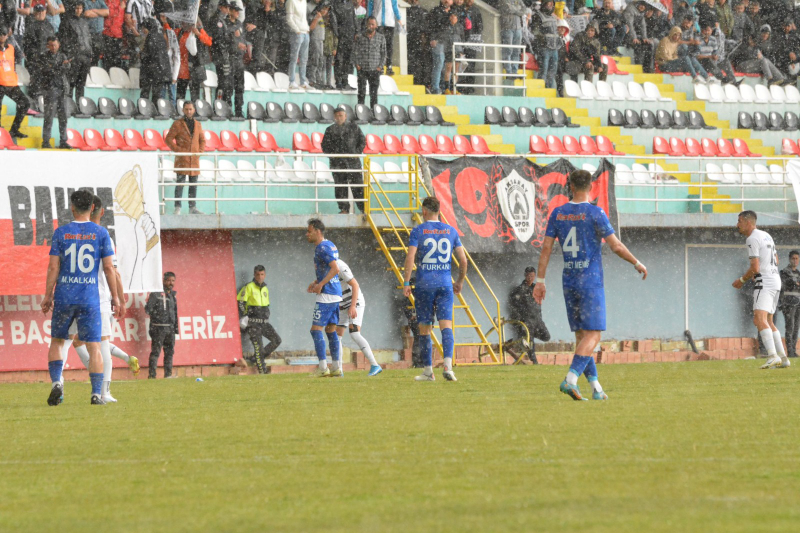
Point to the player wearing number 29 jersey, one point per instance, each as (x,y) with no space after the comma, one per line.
(435,242)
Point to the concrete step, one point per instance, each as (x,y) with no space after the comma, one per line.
(405,79)
(675,96)
(587,121)
(474,129)
(690,105)
(653,78)
(458,120)
(630,69)
(541,93)
(503,148)
(439,100)
(563,103)
(415,90)
(577,112)
(631,149)
(726,207)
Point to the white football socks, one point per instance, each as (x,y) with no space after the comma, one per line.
(83,353)
(595,385)
(108,366)
(364,346)
(323,364)
(119,354)
(65,350)
(448,364)
(428,370)
(776,337)
(572,378)
(769,342)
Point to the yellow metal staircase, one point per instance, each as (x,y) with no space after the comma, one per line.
(392,213)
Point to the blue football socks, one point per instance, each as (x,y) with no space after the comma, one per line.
(448,341)
(97,382)
(333,343)
(426,350)
(591,370)
(56,368)
(319,343)
(579,363)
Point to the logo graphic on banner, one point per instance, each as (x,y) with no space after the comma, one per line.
(502,204)
(517,198)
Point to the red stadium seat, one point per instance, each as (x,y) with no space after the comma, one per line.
(213,144)
(393,145)
(740,148)
(115,140)
(427,145)
(134,139)
(554,145)
(530,62)
(479,145)
(588,145)
(709,147)
(445,144)
(374,145)
(231,141)
(693,147)
(95,140)
(316,141)
(726,148)
(462,145)
(676,147)
(410,144)
(266,140)
(538,145)
(606,147)
(571,145)
(249,141)
(661,146)
(154,139)
(7,143)
(789,147)
(301,143)
(612,65)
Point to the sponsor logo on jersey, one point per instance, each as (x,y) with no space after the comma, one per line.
(80,236)
(435,231)
(571,218)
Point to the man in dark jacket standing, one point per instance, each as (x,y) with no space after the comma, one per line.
(345,137)
(236,50)
(76,42)
(162,308)
(346,24)
(369,59)
(55,88)
(37,30)
(253,301)
(790,301)
(525,309)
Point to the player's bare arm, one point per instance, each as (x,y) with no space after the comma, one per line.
(461,255)
(120,293)
(408,270)
(111,274)
(755,268)
(315,287)
(52,276)
(354,298)
(539,290)
(622,251)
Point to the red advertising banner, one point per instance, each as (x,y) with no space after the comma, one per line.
(208,318)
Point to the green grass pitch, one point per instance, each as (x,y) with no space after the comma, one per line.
(704,446)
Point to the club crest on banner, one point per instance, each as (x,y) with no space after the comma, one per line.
(517,199)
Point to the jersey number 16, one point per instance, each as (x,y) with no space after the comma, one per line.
(82,258)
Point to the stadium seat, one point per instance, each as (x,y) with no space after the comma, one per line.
(679,120)
(101,78)
(434,116)
(777,93)
(226,171)
(107,109)
(231,140)
(310,113)
(730,173)
(789,147)
(303,173)
(676,147)
(134,138)
(316,140)
(697,122)
(213,144)
(301,142)
(115,140)
(416,115)
(717,93)
(606,147)
(554,145)
(166,110)
(394,174)
(95,140)
(620,91)
(445,144)
(745,121)
(87,108)
(726,148)
(509,117)
(702,92)
(589,91)
(747,94)
(538,145)
(388,84)
(604,91)
(623,174)
(632,119)
(399,116)
(322,172)
(265,81)
(249,141)
(760,121)
(570,145)
(381,115)
(394,145)
(762,173)
(7,142)
(708,148)
(462,145)
(732,93)
(588,145)
(573,90)
(363,114)
(790,121)
(635,91)
(223,111)
(611,63)
(267,141)
(326,112)
(126,107)
(748,174)
(255,111)
(648,120)
(714,172)
(543,117)
(167,171)
(526,117)
(693,147)
(427,145)
(410,144)
(792,94)
(764,95)
(293,112)
(281,82)
(651,93)
(777,174)
(775,121)
(588,167)
(275,113)
(663,120)
(561,119)
(348,109)
(147,110)
(741,149)
(211,81)
(640,173)
(120,78)
(661,146)
(616,118)
(247,172)
(375,145)
(154,139)
(251,84)
(479,145)
(203,110)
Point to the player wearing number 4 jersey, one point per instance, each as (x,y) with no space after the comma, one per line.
(580,228)
(76,255)
(431,246)
(764,271)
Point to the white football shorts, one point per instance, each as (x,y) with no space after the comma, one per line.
(345,320)
(766,300)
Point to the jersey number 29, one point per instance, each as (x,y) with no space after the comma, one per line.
(443,247)
(82,258)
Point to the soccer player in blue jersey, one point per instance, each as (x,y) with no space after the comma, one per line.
(78,250)
(580,228)
(436,242)
(329,293)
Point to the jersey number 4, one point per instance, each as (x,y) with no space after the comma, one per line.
(81,257)
(571,242)
(443,247)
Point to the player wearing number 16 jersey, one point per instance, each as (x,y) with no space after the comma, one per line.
(580,228)
(431,246)
(78,251)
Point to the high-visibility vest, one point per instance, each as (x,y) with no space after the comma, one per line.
(8,74)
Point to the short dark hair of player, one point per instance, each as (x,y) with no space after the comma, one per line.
(793,253)
(82,201)
(317,224)
(169,275)
(749,215)
(580,180)
(259,268)
(431,203)
(97,205)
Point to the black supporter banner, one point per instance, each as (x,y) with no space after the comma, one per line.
(502,204)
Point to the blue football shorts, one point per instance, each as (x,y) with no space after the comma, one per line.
(586,309)
(326,314)
(88,317)
(432,301)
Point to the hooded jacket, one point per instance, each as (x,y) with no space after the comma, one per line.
(584,50)
(296,16)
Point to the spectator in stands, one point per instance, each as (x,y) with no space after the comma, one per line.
(742,25)
(156,72)
(452,34)
(417,43)
(790,301)
(112,34)
(767,44)
(8,83)
(473,33)
(611,28)
(525,309)
(439,29)
(220,48)
(17,25)
(668,59)
(725,17)
(298,53)
(548,43)
(680,10)
(564,41)
(162,9)
(55,8)
(317,9)
(787,50)
(369,58)
(76,44)
(345,137)
(707,13)
(136,12)
(637,35)
(8,15)
(387,16)
(192,73)
(274,33)
(96,11)
(55,86)
(185,136)
(329,45)
(584,55)
(658,25)
(754,12)
(710,55)
(254,27)
(690,38)
(748,58)
(37,31)
(236,52)
(346,26)
(162,308)
(512,14)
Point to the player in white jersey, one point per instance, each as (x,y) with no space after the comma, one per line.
(352,315)
(106,348)
(764,271)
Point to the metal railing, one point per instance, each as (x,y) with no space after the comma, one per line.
(492,78)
